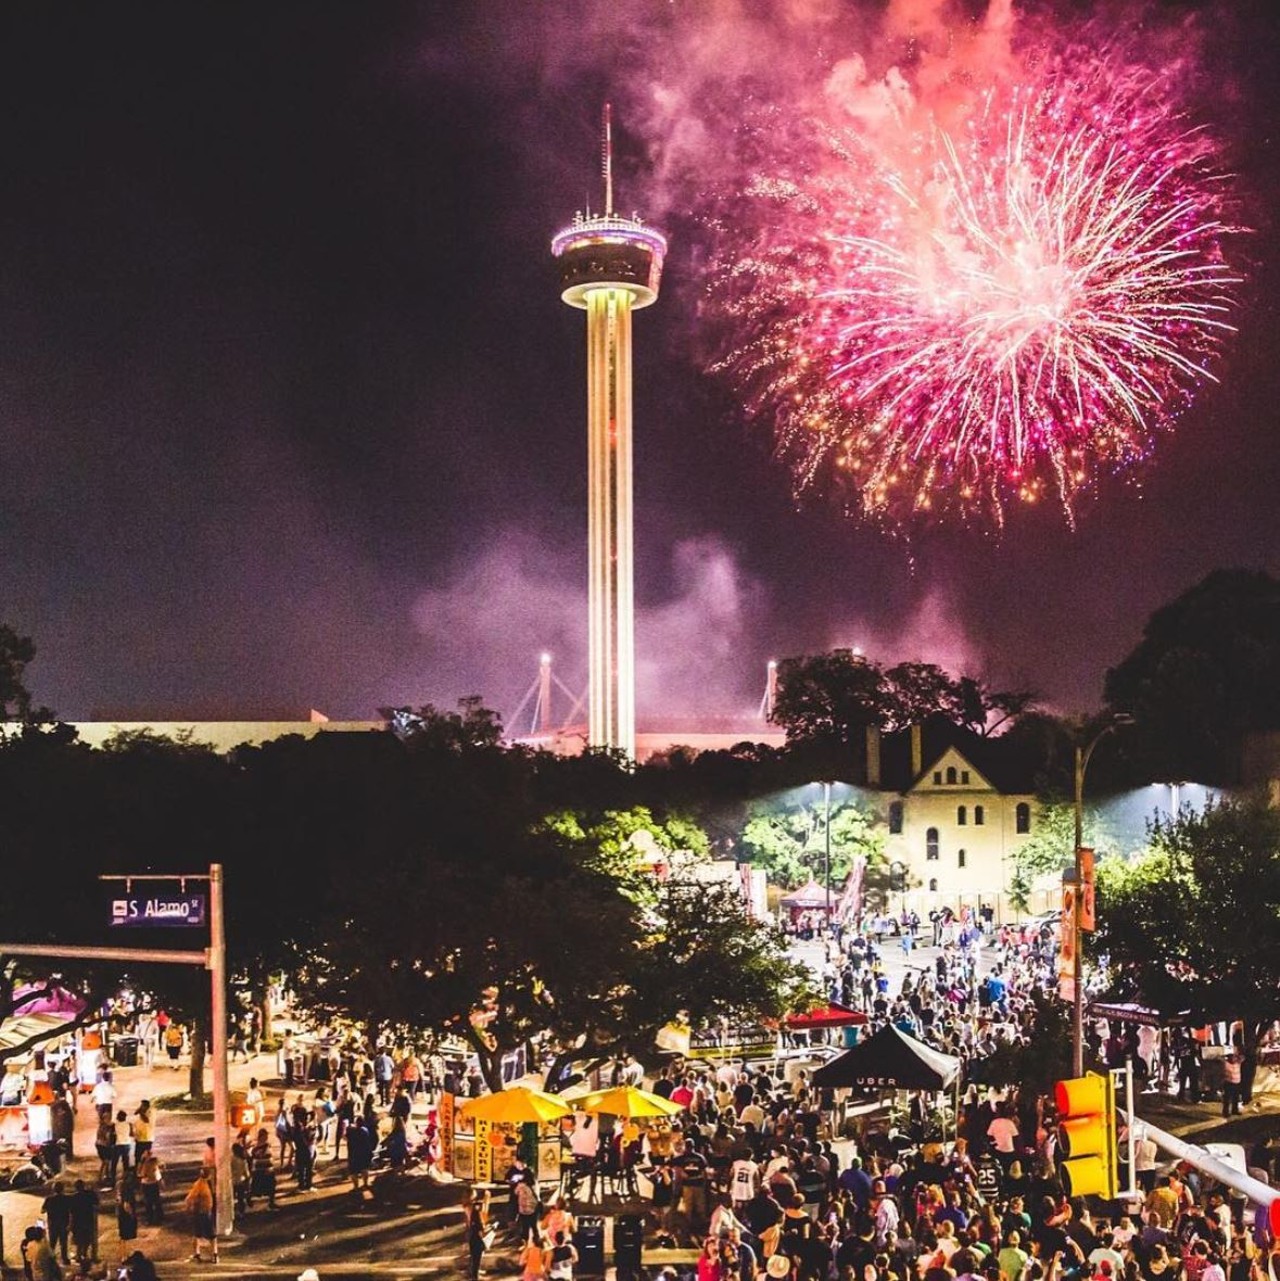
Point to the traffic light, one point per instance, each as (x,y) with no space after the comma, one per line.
(1087,1135)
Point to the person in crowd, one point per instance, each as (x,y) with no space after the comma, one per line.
(479,1234)
(199,1205)
(57,1217)
(84,1222)
(361,1143)
(150,1180)
(121,1143)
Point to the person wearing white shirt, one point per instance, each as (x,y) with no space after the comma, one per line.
(887,1216)
(744,1179)
(585,1140)
(1003,1133)
(104,1095)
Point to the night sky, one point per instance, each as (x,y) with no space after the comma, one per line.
(291,414)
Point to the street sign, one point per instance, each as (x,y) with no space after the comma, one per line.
(166,910)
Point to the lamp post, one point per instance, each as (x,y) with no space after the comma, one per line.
(826,857)
(1083,755)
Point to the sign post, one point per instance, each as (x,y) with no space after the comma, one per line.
(180,910)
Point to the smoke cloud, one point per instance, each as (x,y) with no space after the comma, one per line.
(484,629)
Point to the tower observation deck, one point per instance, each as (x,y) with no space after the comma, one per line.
(610,266)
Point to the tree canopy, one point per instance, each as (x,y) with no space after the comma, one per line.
(1205,674)
(835,697)
(1195,924)
(16,652)
(427,879)
(787,838)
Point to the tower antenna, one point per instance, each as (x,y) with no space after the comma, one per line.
(606,158)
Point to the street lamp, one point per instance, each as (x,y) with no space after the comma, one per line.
(826,857)
(1083,755)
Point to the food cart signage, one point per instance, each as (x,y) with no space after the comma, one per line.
(169,910)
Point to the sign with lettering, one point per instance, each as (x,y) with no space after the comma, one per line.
(160,909)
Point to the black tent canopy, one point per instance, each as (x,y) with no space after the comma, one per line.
(890,1060)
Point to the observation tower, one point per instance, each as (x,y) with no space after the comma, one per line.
(610,266)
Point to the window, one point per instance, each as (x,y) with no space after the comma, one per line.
(1022,818)
(964,777)
(961,858)
(962,815)
(931,844)
(933,885)
(978,816)
(937,778)
(951,773)
(895,818)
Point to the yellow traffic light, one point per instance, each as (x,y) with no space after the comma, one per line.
(1087,1135)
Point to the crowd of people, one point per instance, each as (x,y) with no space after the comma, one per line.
(751,1174)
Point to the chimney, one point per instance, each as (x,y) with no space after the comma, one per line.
(873,756)
(917,751)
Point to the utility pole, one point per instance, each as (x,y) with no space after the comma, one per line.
(1083,755)
(826,861)
(187,911)
(223,1201)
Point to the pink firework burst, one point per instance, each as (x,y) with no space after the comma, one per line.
(999,305)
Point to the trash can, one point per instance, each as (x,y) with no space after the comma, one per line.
(124,1051)
(628,1243)
(588,1239)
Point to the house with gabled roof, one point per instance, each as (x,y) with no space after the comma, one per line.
(957,807)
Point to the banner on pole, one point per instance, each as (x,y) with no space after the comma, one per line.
(1087,917)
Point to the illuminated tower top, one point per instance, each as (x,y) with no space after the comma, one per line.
(608,250)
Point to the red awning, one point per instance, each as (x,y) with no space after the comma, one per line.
(829,1015)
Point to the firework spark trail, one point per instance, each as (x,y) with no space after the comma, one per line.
(994,309)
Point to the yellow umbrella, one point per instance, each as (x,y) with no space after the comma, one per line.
(627,1101)
(519,1104)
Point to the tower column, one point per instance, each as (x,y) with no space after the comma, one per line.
(611,605)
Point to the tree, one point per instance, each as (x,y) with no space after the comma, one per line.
(829,697)
(700,959)
(472,726)
(1195,924)
(834,698)
(15,653)
(788,840)
(914,692)
(1205,674)
(504,936)
(616,837)
(1051,848)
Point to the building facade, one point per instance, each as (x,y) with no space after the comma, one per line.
(956,809)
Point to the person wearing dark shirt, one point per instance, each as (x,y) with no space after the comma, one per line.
(84,1221)
(858,1249)
(57,1215)
(691,1175)
(857,1183)
(763,1212)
